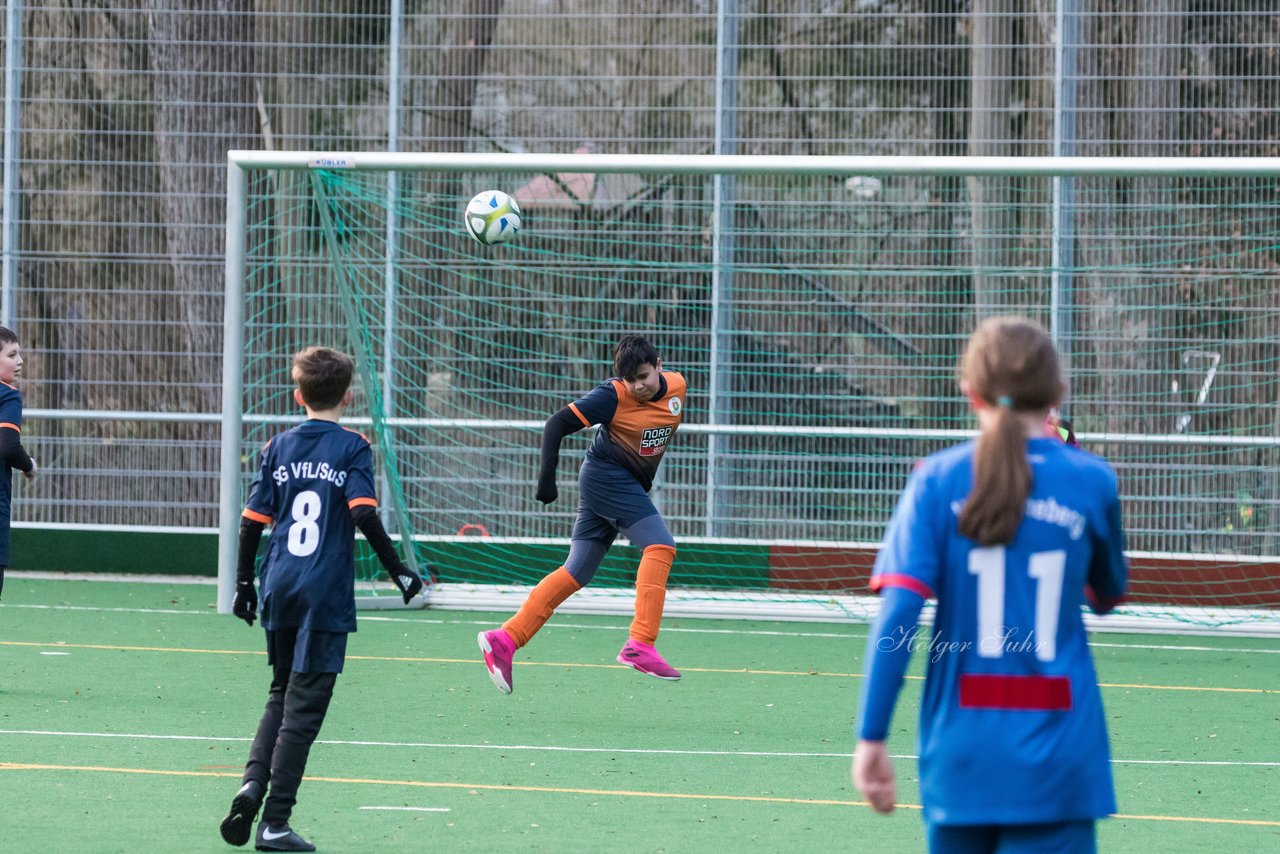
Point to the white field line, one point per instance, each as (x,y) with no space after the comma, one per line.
(210,612)
(1178,648)
(115,577)
(851,635)
(546,748)
(429,621)
(756,606)
(409,809)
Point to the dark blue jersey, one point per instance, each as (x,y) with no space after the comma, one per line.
(633,435)
(10,419)
(1012,729)
(309,480)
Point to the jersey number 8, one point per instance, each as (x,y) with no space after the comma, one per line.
(304,533)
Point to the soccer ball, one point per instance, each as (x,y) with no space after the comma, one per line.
(492,217)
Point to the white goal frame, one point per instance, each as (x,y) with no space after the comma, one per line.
(776,606)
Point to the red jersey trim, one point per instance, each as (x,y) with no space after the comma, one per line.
(1015,693)
(256,516)
(14,427)
(906,582)
(362,502)
(585,422)
(1098,604)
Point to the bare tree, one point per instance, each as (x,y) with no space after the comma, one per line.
(201,59)
(1139,82)
(463,60)
(462,53)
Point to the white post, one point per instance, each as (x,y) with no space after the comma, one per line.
(229,504)
(722,240)
(12,139)
(753,164)
(392,237)
(1062,238)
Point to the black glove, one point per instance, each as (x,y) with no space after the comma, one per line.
(407,582)
(558,426)
(245,605)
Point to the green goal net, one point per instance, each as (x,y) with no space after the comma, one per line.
(817,308)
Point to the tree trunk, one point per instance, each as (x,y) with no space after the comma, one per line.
(463,63)
(464,49)
(1153,88)
(201,62)
(1140,115)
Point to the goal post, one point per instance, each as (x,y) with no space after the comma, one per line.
(818,314)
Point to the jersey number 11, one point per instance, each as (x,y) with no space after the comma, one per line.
(1047,568)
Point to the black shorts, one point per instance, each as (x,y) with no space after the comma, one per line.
(307,651)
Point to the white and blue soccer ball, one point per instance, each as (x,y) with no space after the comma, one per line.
(492,217)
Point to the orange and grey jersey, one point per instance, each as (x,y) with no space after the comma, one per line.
(632,435)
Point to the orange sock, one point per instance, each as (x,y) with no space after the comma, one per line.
(651,592)
(538,607)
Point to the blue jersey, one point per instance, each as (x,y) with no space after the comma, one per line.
(10,419)
(1011,722)
(309,480)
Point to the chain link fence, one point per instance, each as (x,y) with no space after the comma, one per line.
(118,117)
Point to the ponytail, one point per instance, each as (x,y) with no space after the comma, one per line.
(1001,483)
(1010,364)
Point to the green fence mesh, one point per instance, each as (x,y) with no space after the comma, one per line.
(818,321)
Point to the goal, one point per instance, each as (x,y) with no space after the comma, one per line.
(817,307)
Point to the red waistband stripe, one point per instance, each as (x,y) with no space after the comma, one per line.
(1018,693)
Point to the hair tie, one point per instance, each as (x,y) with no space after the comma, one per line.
(1005,401)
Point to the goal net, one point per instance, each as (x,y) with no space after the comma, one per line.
(817,307)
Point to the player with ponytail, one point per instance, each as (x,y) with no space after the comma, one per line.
(1010,374)
(1007,532)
